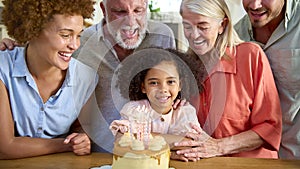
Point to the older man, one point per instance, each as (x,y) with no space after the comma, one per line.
(274,24)
(123,30)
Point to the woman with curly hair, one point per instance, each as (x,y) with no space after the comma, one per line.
(153,79)
(42,89)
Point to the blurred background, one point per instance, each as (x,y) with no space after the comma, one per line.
(166,11)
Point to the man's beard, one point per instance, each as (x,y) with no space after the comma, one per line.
(116,34)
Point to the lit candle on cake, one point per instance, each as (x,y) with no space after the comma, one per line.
(140,125)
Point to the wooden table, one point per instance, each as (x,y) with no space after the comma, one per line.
(71,161)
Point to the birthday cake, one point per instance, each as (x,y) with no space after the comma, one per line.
(132,153)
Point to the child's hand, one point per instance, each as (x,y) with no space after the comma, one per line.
(119,126)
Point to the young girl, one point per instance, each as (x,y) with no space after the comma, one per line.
(156,78)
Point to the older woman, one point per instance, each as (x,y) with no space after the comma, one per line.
(42,89)
(239,106)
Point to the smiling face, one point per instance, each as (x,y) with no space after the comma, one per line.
(161,86)
(126,21)
(200,31)
(58,40)
(263,12)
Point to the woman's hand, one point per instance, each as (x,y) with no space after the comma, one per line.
(181,157)
(80,143)
(177,103)
(204,146)
(201,145)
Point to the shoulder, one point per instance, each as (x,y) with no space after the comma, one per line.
(292,8)
(158,34)
(185,113)
(9,57)
(128,108)
(243,28)
(159,28)
(13,54)
(292,13)
(248,46)
(247,50)
(91,30)
(136,103)
(244,21)
(250,53)
(83,72)
(187,108)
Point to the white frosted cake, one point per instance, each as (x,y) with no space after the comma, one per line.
(130,153)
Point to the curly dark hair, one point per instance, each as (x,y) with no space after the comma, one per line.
(133,69)
(25,19)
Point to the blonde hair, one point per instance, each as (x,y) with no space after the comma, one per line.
(215,9)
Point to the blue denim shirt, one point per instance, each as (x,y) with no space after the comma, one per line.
(34,118)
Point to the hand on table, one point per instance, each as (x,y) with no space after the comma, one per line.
(80,143)
(201,145)
(181,157)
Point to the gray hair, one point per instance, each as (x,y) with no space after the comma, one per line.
(215,9)
(105,1)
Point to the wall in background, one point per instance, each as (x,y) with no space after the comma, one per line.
(172,6)
(3,32)
(236,9)
(169,9)
(97,13)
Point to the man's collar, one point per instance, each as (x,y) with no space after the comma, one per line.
(289,9)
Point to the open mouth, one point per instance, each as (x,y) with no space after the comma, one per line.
(65,56)
(163,99)
(258,14)
(130,33)
(198,42)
